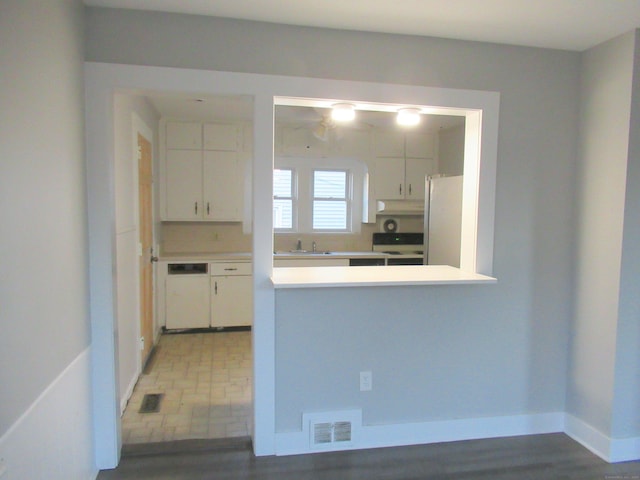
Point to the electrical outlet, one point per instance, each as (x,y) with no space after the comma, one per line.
(366,381)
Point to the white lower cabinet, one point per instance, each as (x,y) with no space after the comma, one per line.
(187,301)
(231,294)
(220,296)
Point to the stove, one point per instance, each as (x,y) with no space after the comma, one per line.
(402,248)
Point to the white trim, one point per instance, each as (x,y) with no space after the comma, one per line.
(612,450)
(103,80)
(124,399)
(395,435)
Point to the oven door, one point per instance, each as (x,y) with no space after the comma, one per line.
(405,260)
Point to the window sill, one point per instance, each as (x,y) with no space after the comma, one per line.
(383,276)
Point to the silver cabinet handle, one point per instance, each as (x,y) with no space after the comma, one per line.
(195,207)
(216,288)
(230,269)
(400,189)
(409,189)
(207,208)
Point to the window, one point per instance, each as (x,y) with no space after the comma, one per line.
(330,200)
(283,199)
(309,199)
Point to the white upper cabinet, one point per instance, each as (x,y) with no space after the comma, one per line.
(402,161)
(184,135)
(221,136)
(419,145)
(222,186)
(183,185)
(388,144)
(202,183)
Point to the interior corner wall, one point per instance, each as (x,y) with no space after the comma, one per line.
(626,416)
(45,393)
(606,93)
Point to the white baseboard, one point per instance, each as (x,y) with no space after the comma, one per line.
(127,395)
(612,450)
(376,436)
(53,439)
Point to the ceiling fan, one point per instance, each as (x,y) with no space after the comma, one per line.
(327,128)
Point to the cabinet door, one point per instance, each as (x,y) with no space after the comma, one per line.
(222,186)
(221,136)
(183,193)
(183,135)
(389,178)
(231,301)
(419,145)
(388,144)
(353,144)
(416,169)
(187,301)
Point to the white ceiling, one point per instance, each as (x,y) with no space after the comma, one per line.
(561,24)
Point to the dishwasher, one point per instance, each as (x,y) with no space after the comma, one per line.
(187,302)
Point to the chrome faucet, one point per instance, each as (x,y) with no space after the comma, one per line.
(299,245)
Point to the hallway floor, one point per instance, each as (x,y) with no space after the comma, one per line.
(206,381)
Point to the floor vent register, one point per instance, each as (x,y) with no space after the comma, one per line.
(151,403)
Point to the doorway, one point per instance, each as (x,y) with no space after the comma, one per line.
(203,380)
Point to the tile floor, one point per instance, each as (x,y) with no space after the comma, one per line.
(206,382)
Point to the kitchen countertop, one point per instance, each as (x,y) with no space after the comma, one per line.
(205,257)
(321,254)
(244,256)
(394,275)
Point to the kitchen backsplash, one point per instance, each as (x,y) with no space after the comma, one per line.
(195,237)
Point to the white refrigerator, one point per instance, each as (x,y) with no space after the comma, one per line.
(442,220)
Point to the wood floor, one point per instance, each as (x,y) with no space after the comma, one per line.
(535,457)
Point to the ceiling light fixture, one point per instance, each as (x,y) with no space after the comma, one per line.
(343,112)
(408,117)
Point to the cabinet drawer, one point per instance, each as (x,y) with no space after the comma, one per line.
(230,268)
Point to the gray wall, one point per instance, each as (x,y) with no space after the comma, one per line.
(43,294)
(435,352)
(603,374)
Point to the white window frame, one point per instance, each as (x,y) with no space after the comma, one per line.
(293,198)
(303,169)
(347,199)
